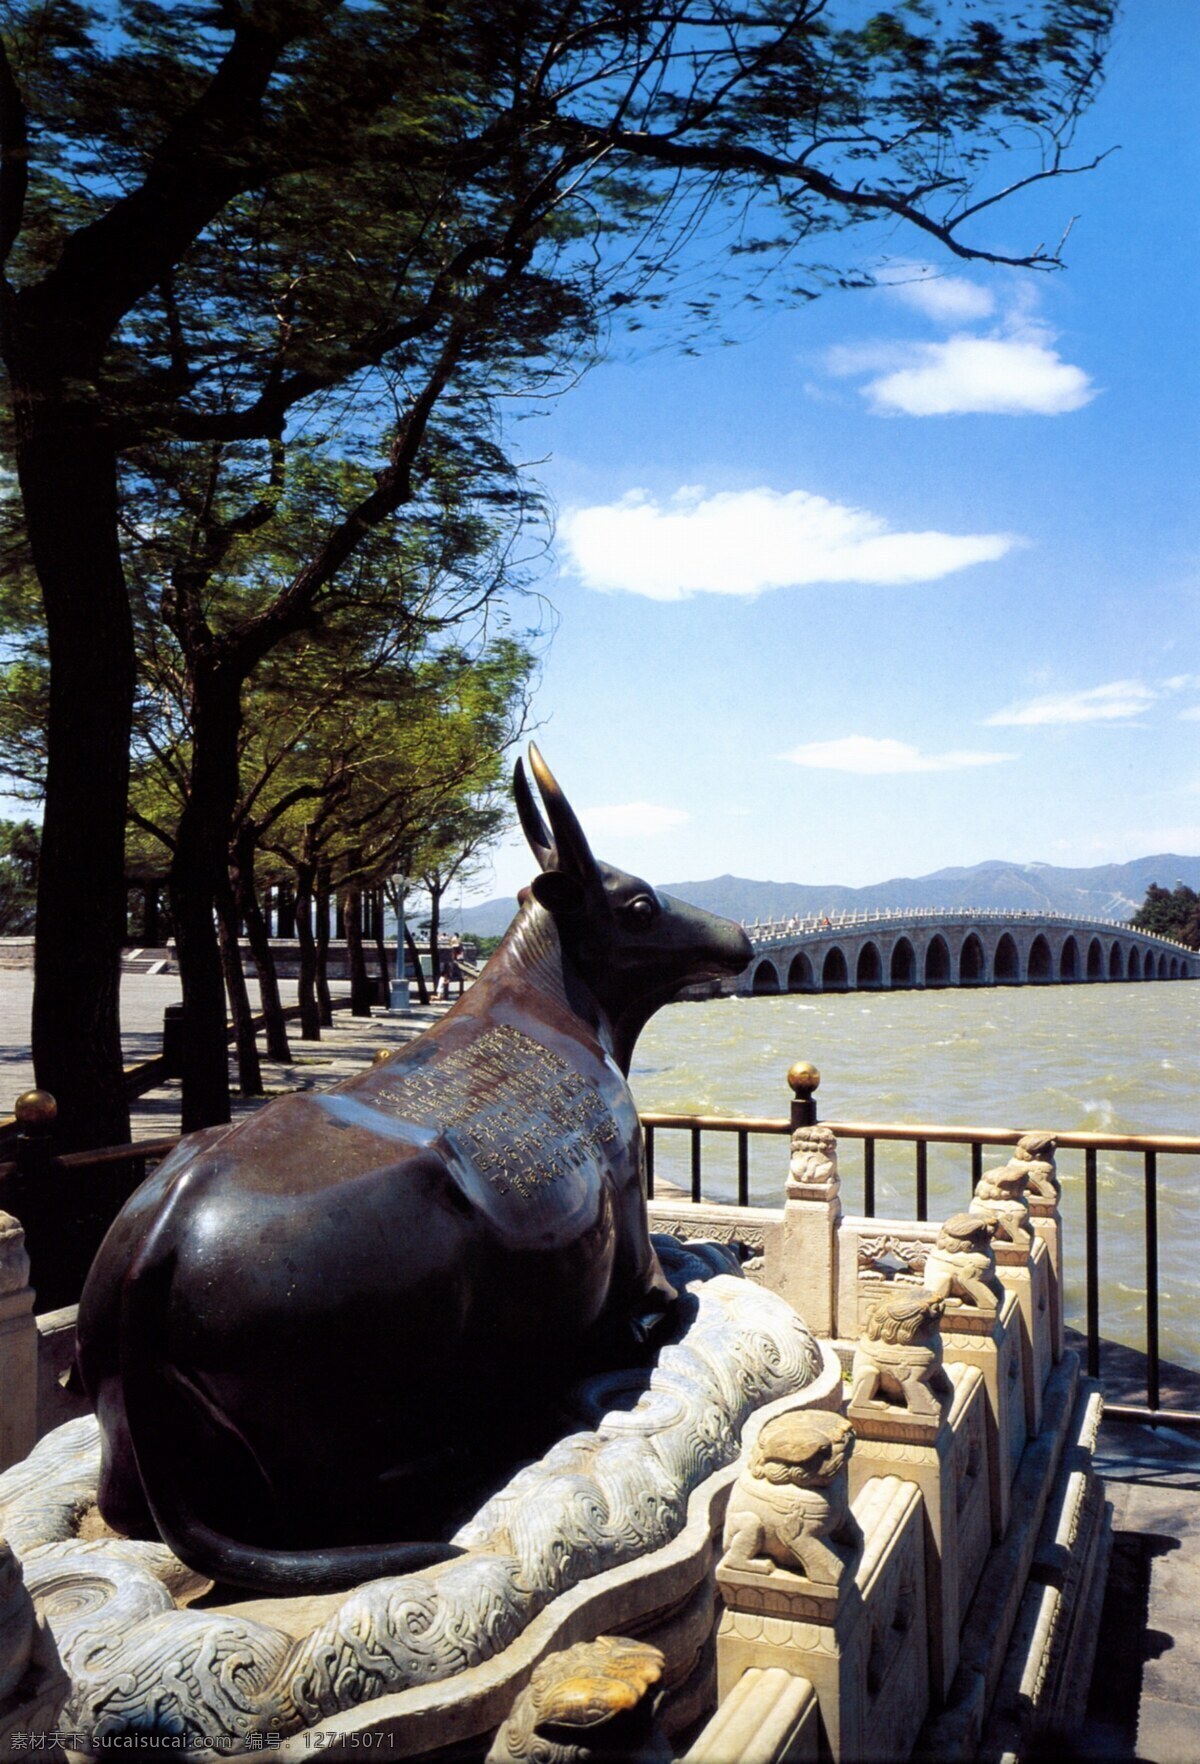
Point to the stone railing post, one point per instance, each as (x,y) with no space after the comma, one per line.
(806,1271)
(18,1347)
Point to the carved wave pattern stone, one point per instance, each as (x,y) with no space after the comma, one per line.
(601,1497)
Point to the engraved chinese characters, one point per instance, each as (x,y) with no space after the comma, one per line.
(520,1113)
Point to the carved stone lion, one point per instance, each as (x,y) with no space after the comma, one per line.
(1002,1193)
(790,1506)
(1036,1151)
(18,1625)
(14,1257)
(595,1700)
(814,1158)
(898,1360)
(962,1265)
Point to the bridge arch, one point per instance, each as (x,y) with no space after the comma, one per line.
(835,976)
(869,969)
(800,973)
(1007,965)
(1068,960)
(1116,963)
(1134,969)
(1175,967)
(972,962)
(937,961)
(766,977)
(903,965)
(1095,960)
(1041,964)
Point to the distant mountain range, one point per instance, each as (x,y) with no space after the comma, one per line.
(1106,891)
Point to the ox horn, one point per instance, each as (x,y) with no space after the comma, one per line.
(532,824)
(572,852)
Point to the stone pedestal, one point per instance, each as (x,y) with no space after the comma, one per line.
(991,1342)
(1048,1228)
(947,1462)
(804,1270)
(1026,1273)
(862,1645)
(18,1347)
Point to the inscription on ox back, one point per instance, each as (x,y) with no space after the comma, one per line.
(523,1115)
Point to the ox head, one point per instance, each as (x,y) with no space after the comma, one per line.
(634,947)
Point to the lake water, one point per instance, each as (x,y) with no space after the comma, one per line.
(1119,1058)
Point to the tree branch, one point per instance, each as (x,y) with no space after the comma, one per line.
(203,161)
(728,157)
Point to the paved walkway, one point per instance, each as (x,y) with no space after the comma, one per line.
(1145,1703)
(347,1047)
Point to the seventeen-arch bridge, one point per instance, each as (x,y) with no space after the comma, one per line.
(953,947)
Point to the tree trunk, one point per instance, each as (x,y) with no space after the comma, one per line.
(260,946)
(422,989)
(199,876)
(67,472)
(381,950)
(310,1015)
(151,929)
(435,940)
(360,981)
(245,1039)
(324,1002)
(274,1021)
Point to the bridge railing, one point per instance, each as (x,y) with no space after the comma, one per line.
(1171,1391)
(765,931)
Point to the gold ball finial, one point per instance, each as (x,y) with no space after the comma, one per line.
(803,1077)
(381,1054)
(35,1108)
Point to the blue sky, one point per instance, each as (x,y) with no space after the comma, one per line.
(909,578)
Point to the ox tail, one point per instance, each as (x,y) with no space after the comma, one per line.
(153,1410)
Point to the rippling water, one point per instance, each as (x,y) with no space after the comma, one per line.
(1108,1059)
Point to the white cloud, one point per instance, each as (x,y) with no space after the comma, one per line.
(633,820)
(1003,376)
(742,542)
(1117,701)
(950,300)
(874,757)
(1191,715)
(1011,370)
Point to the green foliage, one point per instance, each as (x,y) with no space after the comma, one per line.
(1170,913)
(20,843)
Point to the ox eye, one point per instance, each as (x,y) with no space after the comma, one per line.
(642,911)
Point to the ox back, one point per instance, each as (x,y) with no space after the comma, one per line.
(313,1336)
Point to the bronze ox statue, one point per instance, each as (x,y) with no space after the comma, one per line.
(303,1329)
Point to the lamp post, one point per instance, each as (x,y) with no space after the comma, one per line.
(399,1000)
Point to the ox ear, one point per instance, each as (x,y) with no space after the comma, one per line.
(532,824)
(572,853)
(560,894)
